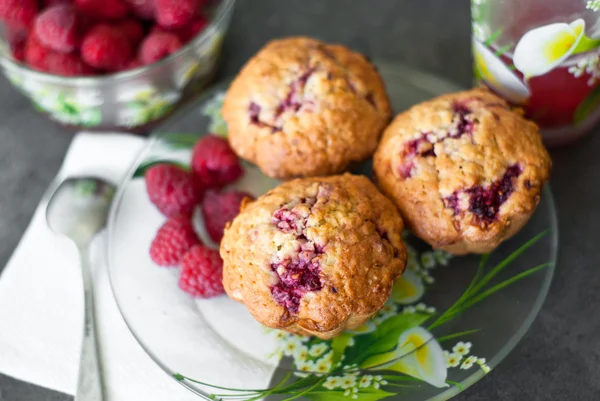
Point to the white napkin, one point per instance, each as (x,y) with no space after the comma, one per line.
(41,298)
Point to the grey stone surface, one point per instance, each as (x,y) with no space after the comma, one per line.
(558,359)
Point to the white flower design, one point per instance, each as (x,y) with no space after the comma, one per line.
(468,363)
(482,365)
(323,365)
(290,346)
(409,310)
(318,349)
(348,381)
(306,366)
(591,66)
(541,49)
(300,354)
(442,257)
(365,381)
(593,5)
(452,360)
(428,260)
(332,382)
(462,348)
(428,279)
(497,75)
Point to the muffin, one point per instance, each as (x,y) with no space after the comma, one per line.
(314,256)
(465,170)
(301,107)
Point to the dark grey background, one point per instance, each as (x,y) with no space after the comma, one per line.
(558,359)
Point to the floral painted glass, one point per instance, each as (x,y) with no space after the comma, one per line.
(543,56)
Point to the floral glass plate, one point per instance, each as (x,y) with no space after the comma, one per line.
(449,321)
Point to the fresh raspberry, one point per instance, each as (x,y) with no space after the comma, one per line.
(143,9)
(214,164)
(191,30)
(57,28)
(104,9)
(18,13)
(106,47)
(133,30)
(157,46)
(202,272)
(36,54)
(172,190)
(50,3)
(173,239)
(132,64)
(220,208)
(175,13)
(68,65)
(17,38)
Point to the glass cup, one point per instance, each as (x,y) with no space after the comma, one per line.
(543,56)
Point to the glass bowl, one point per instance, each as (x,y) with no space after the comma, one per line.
(449,321)
(131,101)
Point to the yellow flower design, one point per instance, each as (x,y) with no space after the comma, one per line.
(498,76)
(417,354)
(408,288)
(541,49)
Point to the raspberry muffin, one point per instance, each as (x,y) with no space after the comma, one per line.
(314,256)
(301,107)
(464,169)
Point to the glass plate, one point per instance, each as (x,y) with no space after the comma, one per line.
(448,323)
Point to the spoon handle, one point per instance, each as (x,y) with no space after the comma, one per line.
(89,386)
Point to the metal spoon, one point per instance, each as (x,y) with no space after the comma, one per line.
(78,209)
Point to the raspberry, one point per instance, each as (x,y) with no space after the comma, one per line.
(132,64)
(57,28)
(68,65)
(175,13)
(17,38)
(106,47)
(143,9)
(18,13)
(173,239)
(214,164)
(157,46)
(202,272)
(171,189)
(133,30)
(36,54)
(103,9)
(219,209)
(191,30)
(50,3)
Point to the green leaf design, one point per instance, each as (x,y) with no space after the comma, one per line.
(473,294)
(586,44)
(503,50)
(142,168)
(179,141)
(587,106)
(384,338)
(364,394)
(495,35)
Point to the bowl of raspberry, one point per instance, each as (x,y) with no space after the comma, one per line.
(111,64)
